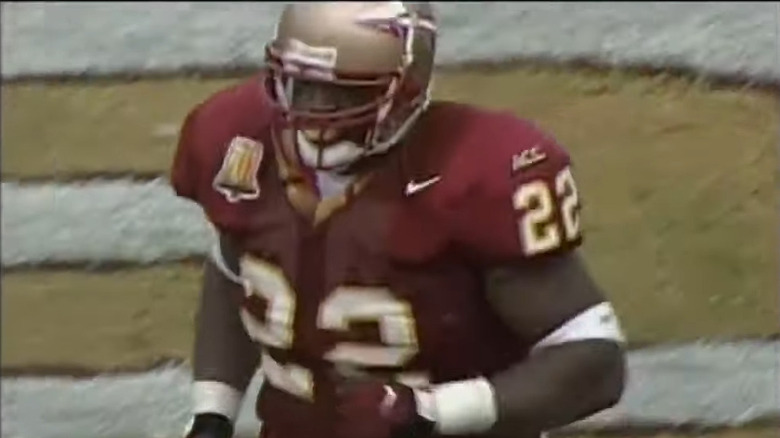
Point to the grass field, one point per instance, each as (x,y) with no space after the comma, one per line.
(68,320)
(678,180)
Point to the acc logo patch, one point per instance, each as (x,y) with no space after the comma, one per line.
(237,178)
(527,158)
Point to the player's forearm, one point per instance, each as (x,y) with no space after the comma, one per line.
(559,385)
(225,359)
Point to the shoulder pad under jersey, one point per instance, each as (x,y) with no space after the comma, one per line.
(518,198)
(219,153)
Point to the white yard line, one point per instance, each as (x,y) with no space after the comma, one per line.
(721,37)
(711,385)
(99,221)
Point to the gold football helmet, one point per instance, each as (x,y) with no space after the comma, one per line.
(351,77)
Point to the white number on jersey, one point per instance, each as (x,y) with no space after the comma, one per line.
(540,229)
(343,306)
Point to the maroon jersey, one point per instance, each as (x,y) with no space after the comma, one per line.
(388,279)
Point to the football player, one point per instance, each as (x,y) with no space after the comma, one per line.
(394,266)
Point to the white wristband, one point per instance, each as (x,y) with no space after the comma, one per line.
(597,322)
(209,396)
(459,408)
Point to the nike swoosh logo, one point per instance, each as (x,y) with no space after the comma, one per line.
(414,187)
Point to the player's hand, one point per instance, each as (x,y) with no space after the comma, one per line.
(378,409)
(210,426)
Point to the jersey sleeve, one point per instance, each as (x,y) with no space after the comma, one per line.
(522,202)
(196,162)
(204,141)
(187,162)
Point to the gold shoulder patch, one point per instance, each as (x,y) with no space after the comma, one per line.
(237,178)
